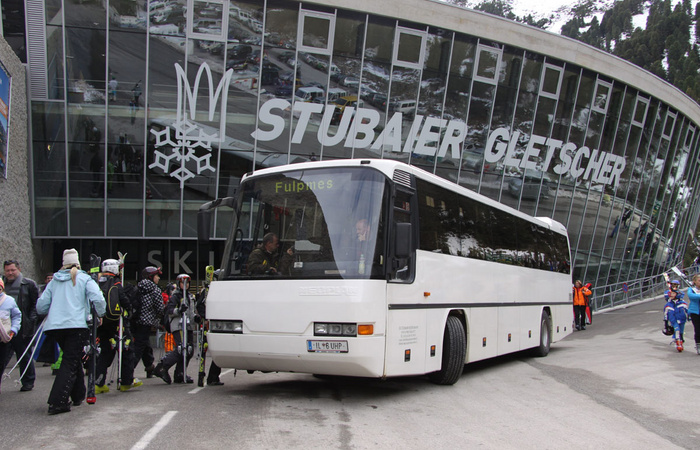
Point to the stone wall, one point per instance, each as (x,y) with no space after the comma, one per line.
(15,207)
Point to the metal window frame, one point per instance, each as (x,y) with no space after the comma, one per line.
(547,94)
(398,32)
(598,84)
(645,101)
(192,34)
(300,47)
(480,48)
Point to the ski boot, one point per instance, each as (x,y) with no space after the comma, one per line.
(101,389)
(161,373)
(135,384)
(679,345)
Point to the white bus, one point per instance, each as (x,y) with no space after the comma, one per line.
(443,277)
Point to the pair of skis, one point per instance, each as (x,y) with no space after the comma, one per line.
(202,335)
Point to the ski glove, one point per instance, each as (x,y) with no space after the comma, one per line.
(183,308)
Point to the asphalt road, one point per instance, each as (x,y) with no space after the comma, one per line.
(616,385)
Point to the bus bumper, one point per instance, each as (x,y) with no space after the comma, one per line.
(364,356)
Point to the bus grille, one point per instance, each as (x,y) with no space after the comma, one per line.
(403,178)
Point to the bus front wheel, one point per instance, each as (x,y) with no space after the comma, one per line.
(545,336)
(454,349)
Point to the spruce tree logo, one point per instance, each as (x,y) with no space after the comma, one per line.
(179,157)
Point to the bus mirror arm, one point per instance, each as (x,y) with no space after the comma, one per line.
(204,216)
(402,242)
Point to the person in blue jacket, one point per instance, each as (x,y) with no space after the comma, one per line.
(8,310)
(676,313)
(66,302)
(694,308)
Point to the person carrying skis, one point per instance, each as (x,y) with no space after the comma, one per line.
(181,313)
(118,306)
(146,313)
(66,302)
(676,314)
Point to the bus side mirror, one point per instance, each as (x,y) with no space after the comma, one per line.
(203,225)
(402,242)
(204,216)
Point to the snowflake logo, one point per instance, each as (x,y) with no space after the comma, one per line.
(188,138)
(180,153)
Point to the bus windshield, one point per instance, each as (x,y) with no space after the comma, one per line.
(330,219)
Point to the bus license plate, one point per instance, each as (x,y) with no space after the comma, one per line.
(327,346)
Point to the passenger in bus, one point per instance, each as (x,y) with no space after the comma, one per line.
(580,294)
(266,260)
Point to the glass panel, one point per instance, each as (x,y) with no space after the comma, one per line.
(125,134)
(13,27)
(54,61)
(207,18)
(85,54)
(129,14)
(86,164)
(85,14)
(167,18)
(550,84)
(49,169)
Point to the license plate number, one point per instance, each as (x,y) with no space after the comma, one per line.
(327,346)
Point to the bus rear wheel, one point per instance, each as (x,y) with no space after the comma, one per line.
(454,349)
(545,336)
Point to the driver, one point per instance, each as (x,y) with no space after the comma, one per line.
(266,259)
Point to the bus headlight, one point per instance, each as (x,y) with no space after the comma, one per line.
(335,329)
(226,326)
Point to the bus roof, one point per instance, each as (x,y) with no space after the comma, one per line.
(388,167)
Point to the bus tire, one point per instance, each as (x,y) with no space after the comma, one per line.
(454,348)
(545,336)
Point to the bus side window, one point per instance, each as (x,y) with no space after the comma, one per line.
(402,269)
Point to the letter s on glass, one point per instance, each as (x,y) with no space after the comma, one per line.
(265,115)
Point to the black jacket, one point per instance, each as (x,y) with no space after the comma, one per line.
(26,302)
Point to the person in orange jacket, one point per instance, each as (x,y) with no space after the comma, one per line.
(580,300)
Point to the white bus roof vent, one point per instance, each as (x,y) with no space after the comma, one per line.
(403,178)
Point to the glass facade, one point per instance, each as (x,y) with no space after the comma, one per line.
(152,108)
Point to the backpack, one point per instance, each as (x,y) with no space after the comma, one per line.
(134,295)
(110,289)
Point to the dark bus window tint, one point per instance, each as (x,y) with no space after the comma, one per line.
(456,225)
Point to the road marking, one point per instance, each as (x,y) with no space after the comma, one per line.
(153,432)
(197,389)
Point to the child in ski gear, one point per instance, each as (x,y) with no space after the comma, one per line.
(66,302)
(25,292)
(676,313)
(9,312)
(694,308)
(580,302)
(149,304)
(214,370)
(108,333)
(181,312)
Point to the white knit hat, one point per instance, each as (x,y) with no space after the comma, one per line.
(70,257)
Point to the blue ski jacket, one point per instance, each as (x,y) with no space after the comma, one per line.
(694,298)
(676,311)
(67,305)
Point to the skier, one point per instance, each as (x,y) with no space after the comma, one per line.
(67,301)
(181,313)
(108,333)
(147,310)
(676,313)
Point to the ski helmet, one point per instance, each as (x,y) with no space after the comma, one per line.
(668,329)
(151,271)
(111,265)
(675,283)
(183,277)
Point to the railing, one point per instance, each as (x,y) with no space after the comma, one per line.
(634,290)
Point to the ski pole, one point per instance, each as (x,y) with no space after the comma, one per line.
(39,330)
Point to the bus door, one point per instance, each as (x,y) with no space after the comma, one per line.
(406,347)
